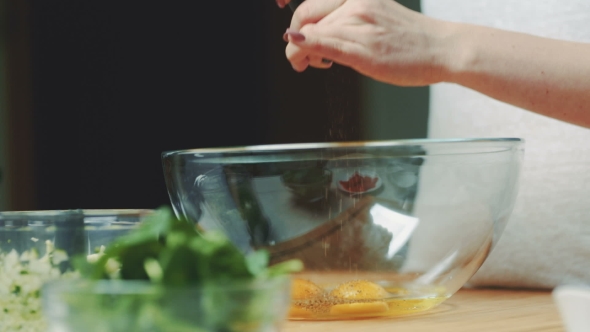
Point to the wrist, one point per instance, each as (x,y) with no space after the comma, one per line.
(454,52)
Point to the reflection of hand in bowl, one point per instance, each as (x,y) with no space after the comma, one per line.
(360,182)
(403,175)
(309,183)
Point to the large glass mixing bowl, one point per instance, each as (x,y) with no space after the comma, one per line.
(383,228)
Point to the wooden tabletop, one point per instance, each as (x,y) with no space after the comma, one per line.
(466,311)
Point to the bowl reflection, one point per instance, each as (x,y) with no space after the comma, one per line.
(309,184)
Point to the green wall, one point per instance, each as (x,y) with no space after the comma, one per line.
(391,112)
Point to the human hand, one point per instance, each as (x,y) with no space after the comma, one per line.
(378,38)
(283,3)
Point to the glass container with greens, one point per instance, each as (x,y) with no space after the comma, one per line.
(168,276)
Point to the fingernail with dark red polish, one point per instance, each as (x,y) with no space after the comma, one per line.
(295,35)
(280,3)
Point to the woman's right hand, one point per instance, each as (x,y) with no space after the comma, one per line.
(390,43)
(378,38)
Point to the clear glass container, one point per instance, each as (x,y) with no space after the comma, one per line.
(36,247)
(400,227)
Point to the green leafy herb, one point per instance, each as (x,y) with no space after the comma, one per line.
(201,282)
(171,252)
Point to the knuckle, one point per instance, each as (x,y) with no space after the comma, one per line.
(362,10)
(307,29)
(300,66)
(338,49)
(289,52)
(301,15)
(294,53)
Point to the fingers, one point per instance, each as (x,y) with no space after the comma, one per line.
(293,35)
(282,3)
(311,45)
(312,61)
(299,60)
(306,15)
(319,62)
(301,63)
(312,11)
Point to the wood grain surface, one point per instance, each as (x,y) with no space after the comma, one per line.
(468,310)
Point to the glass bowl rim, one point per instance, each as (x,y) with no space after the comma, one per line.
(138,287)
(511,141)
(86,212)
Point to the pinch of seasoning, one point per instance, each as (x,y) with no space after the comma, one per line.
(309,307)
(308,299)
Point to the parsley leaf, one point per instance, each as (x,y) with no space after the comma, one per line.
(170,251)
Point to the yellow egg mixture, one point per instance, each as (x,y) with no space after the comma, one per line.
(354,299)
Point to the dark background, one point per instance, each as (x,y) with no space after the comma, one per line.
(98,89)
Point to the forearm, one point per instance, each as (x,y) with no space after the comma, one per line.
(546,76)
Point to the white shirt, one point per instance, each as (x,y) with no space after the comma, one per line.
(547,239)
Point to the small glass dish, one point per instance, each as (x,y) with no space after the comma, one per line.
(128,306)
